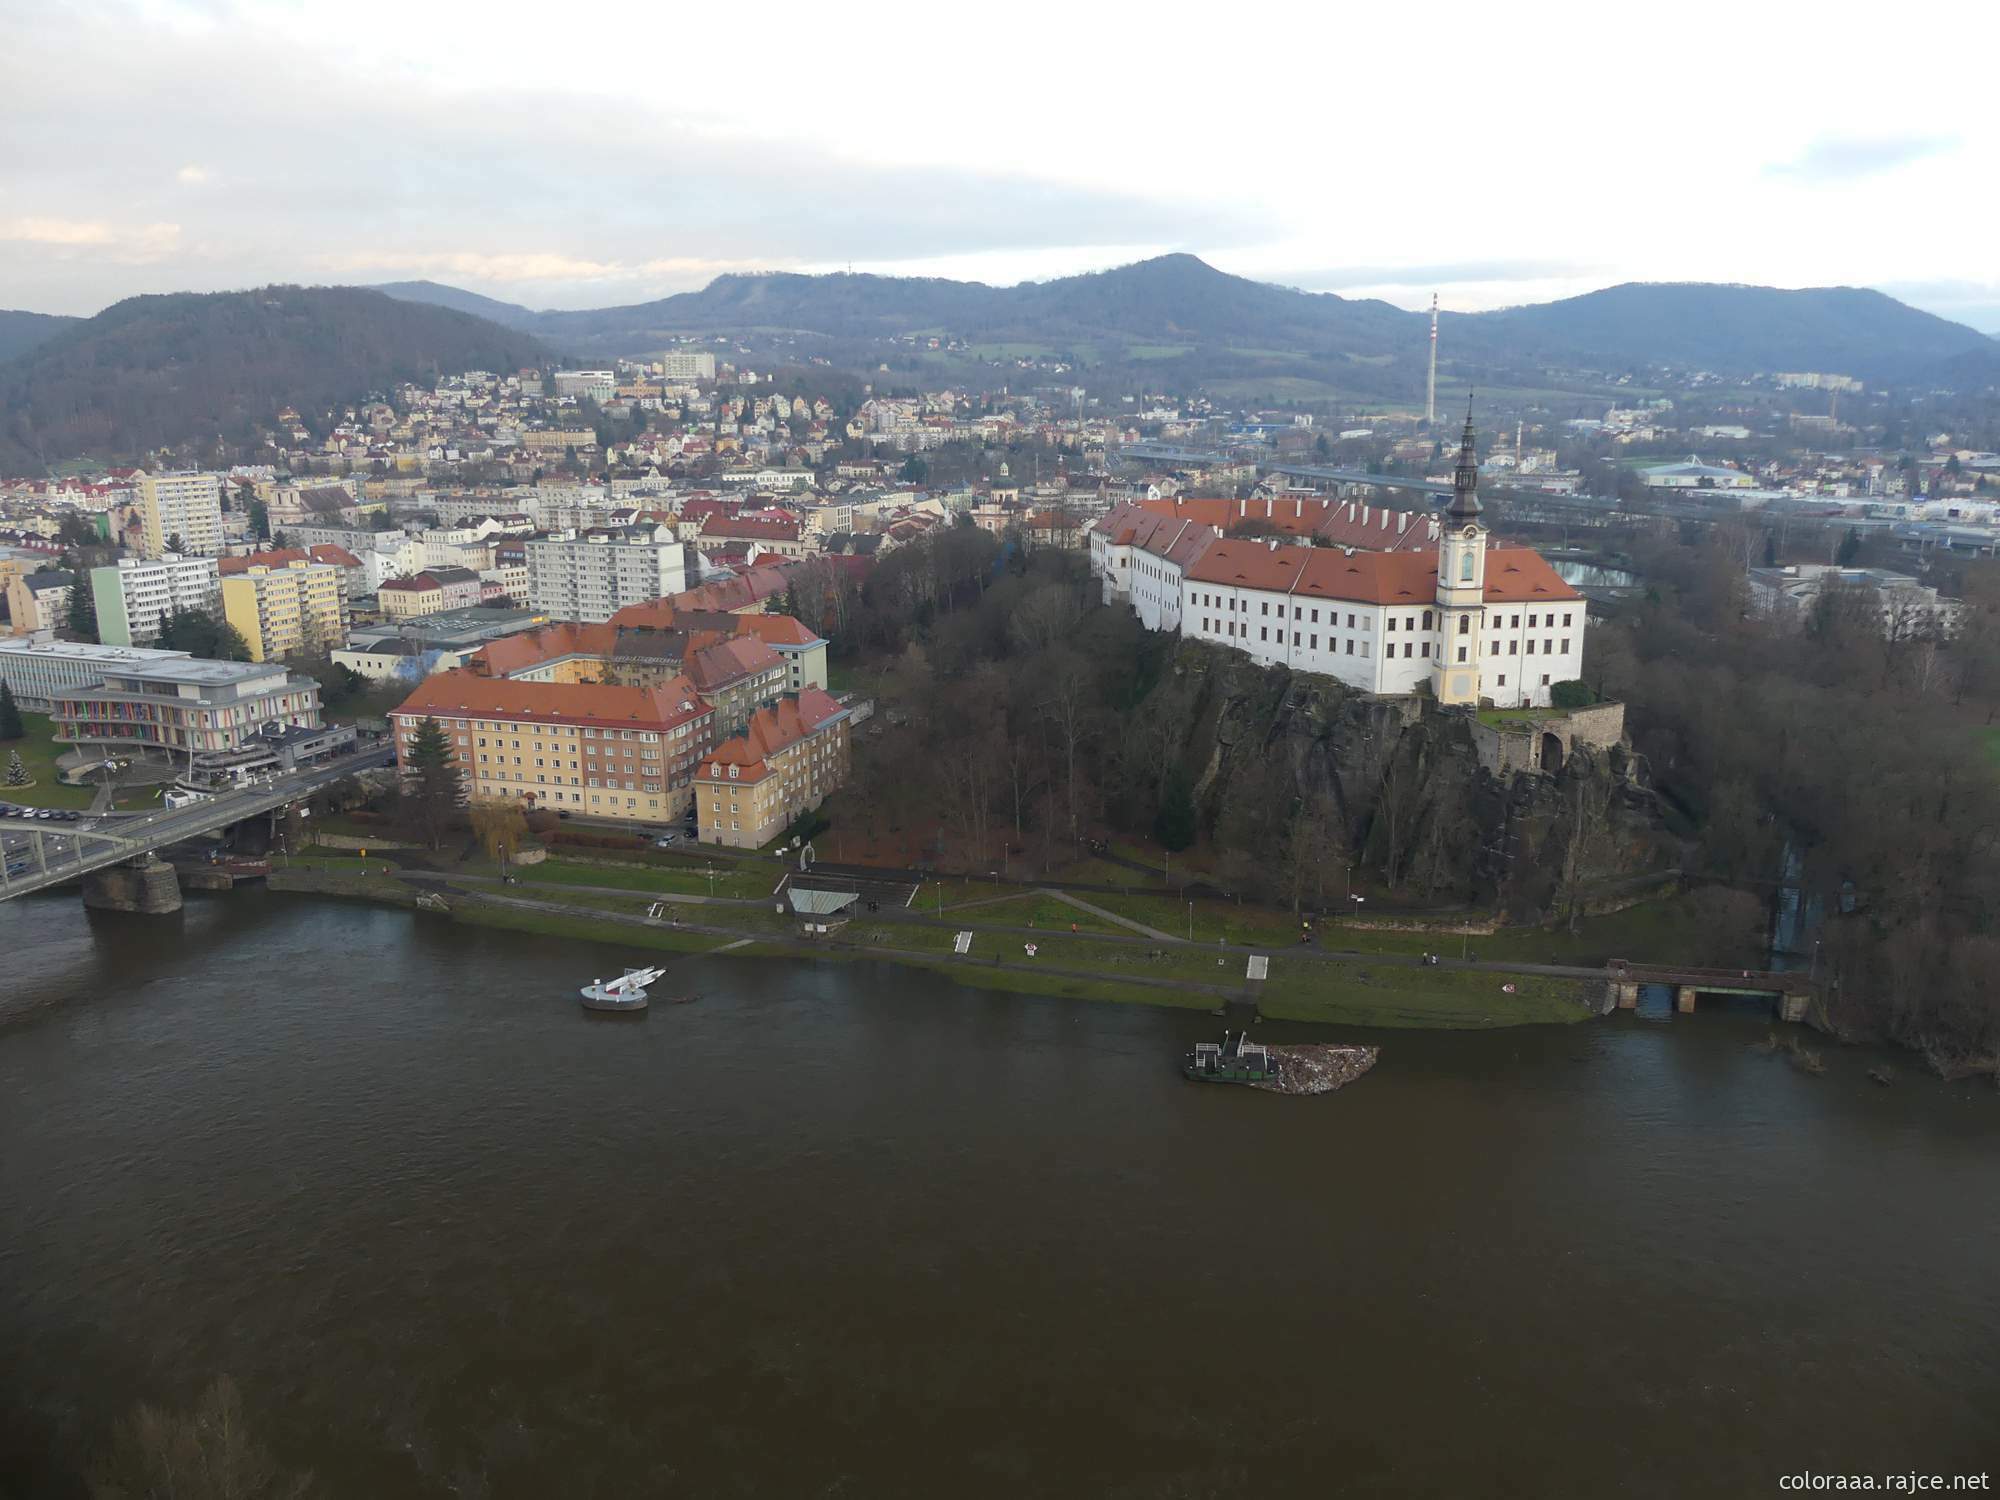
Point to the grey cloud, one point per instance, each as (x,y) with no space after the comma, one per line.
(1845,158)
(302,173)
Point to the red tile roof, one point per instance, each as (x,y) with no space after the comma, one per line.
(461,694)
(795,716)
(720,663)
(1513,574)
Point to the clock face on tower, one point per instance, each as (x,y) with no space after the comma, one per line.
(1471,533)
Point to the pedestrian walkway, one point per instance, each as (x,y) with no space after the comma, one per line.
(1109,916)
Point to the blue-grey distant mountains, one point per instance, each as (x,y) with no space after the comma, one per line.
(212,370)
(1178,304)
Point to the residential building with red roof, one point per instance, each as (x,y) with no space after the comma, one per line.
(751,787)
(775,532)
(599,749)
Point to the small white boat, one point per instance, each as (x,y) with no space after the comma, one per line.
(627,992)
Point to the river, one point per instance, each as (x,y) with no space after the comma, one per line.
(848,1230)
(1581,574)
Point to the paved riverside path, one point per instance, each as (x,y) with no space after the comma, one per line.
(1110,916)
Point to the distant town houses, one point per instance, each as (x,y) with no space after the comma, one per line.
(38,601)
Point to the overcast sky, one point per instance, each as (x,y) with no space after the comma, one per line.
(584,155)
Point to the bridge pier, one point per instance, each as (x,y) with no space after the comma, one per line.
(1627,994)
(1792,1005)
(1684,999)
(146,885)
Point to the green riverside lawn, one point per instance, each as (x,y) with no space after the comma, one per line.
(604,895)
(38,751)
(1079,965)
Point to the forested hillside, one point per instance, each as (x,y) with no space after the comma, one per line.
(1038,718)
(21,331)
(152,372)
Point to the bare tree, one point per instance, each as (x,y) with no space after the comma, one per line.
(203,1454)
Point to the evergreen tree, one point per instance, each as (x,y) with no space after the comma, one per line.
(260,520)
(17,774)
(433,786)
(1175,825)
(11,727)
(1770,549)
(1850,548)
(200,633)
(80,619)
(174,543)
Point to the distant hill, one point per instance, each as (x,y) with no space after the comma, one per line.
(156,371)
(1846,330)
(1171,298)
(1197,321)
(437,294)
(21,331)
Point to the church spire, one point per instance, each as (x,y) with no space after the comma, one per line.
(1465,504)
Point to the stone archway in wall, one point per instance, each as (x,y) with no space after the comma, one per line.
(1551,752)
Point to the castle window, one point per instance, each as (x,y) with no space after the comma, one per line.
(1461,653)
(1464,623)
(1427,619)
(1465,567)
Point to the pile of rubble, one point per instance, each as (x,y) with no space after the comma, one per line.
(1317,1067)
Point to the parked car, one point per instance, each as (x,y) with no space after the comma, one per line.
(666,840)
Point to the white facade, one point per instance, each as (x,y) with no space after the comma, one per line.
(133,597)
(687,364)
(1469,622)
(1518,649)
(36,669)
(590,577)
(188,506)
(597,385)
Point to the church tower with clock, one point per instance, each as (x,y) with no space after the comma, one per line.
(1461,583)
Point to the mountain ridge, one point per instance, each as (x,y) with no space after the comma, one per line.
(1733,328)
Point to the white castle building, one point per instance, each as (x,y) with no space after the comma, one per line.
(1474,622)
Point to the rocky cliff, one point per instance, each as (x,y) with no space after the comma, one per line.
(1297,774)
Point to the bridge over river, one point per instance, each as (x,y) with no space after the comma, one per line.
(1787,989)
(50,854)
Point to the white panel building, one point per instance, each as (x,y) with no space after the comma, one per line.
(590,576)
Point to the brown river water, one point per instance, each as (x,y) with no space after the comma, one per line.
(849,1230)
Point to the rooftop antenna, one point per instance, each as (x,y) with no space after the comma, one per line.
(1431,389)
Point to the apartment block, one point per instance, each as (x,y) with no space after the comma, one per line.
(136,595)
(187,506)
(609,751)
(590,576)
(792,755)
(300,607)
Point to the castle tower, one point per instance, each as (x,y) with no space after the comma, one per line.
(1461,582)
